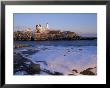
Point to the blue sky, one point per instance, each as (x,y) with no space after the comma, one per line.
(81,23)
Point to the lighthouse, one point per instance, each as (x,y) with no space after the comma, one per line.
(47,26)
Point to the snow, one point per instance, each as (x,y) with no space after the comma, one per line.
(65,59)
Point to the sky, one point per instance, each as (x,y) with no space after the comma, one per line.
(81,23)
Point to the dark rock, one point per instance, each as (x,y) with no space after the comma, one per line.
(23,64)
(44,48)
(34,69)
(70,74)
(75,70)
(51,73)
(80,49)
(57,73)
(87,72)
(47,71)
(89,68)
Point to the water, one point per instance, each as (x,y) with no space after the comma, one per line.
(63,56)
(60,43)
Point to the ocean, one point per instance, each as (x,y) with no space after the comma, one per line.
(61,56)
(60,43)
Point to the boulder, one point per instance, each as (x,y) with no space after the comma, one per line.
(57,73)
(87,72)
(74,70)
(34,69)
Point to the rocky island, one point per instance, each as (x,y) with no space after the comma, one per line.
(44,33)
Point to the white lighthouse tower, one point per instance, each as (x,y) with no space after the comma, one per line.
(47,26)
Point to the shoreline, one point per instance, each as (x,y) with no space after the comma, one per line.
(49,65)
(30,68)
(82,38)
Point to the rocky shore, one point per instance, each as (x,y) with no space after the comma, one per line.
(24,66)
(51,35)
